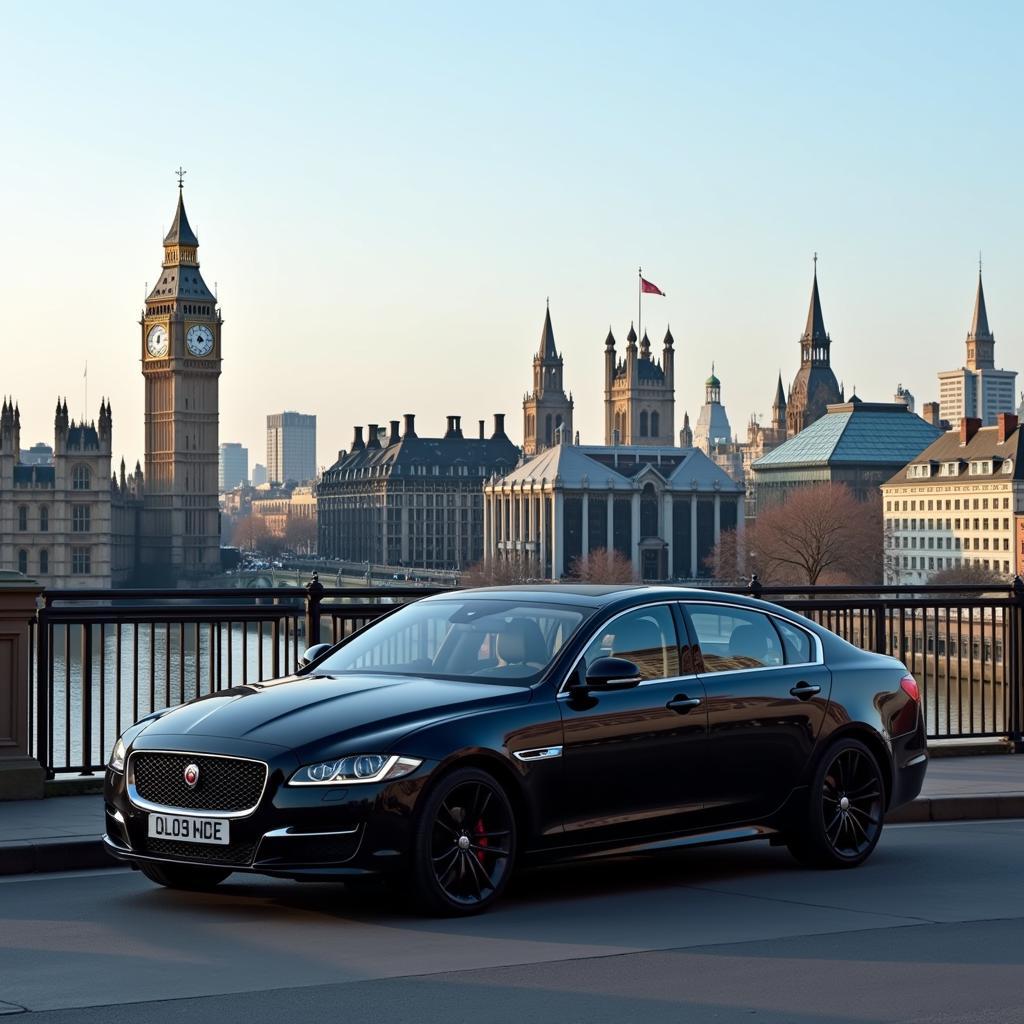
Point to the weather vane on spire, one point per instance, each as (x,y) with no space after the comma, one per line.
(180,172)
(979,263)
(815,263)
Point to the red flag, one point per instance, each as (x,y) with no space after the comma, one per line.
(649,289)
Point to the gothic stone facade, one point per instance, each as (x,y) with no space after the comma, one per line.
(639,393)
(67,523)
(181,364)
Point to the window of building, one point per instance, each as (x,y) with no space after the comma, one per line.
(23,518)
(81,561)
(44,562)
(80,478)
(80,519)
(44,518)
(23,561)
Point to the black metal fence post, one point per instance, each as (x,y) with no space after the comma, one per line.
(86,698)
(43,689)
(1015,661)
(314,595)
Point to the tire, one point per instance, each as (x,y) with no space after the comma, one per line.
(464,845)
(184,876)
(828,834)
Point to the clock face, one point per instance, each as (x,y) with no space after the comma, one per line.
(199,340)
(156,341)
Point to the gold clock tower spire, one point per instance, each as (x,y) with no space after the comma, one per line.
(181,362)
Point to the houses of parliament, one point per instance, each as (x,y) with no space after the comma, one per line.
(66,518)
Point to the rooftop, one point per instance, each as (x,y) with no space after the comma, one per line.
(881,433)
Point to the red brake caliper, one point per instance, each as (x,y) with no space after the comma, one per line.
(482,840)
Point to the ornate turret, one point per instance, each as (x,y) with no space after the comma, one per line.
(546,409)
(779,407)
(815,386)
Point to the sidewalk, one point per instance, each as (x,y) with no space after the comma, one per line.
(62,833)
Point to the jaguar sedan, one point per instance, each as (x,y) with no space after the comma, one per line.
(465,734)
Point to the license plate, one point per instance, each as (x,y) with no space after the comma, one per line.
(186,829)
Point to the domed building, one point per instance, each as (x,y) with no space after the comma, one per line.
(712,422)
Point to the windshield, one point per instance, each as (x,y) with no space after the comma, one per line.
(503,640)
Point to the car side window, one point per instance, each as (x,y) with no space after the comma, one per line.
(647,637)
(796,642)
(732,638)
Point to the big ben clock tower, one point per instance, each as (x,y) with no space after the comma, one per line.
(181,357)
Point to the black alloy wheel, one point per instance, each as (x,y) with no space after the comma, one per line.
(465,843)
(843,819)
(184,876)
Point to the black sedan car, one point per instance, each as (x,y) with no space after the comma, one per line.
(470,732)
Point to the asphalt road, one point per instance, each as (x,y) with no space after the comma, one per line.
(932,929)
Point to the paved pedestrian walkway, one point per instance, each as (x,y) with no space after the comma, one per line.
(62,833)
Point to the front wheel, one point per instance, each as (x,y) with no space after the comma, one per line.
(184,876)
(464,845)
(842,820)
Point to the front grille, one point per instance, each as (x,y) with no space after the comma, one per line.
(237,853)
(225,784)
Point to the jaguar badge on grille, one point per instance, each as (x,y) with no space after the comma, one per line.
(191,775)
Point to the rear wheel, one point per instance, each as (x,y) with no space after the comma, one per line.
(842,820)
(464,844)
(184,876)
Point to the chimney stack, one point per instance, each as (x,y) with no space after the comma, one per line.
(499,425)
(373,441)
(930,413)
(969,426)
(481,430)
(1007,423)
(454,431)
(395,435)
(357,440)
(410,425)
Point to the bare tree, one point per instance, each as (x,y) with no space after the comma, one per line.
(251,534)
(819,534)
(513,567)
(968,574)
(301,534)
(602,566)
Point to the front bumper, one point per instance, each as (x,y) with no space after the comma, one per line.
(301,832)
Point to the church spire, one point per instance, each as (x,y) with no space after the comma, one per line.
(547,351)
(780,395)
(815,329)
(979,325)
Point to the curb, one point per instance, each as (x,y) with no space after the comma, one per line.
(73,853)
(78,853)
(958,808)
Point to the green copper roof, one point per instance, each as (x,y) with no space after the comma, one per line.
(866,432)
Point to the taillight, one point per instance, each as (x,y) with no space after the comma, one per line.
(908,684)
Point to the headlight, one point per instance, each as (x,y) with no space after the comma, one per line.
(357,768)
(117,756)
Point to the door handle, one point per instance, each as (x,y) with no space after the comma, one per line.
(682,703)
(805,690)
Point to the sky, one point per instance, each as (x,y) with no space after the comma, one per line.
(385,195)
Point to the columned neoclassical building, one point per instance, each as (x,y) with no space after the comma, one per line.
(664,508)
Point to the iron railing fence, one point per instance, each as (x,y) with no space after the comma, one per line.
(104,658)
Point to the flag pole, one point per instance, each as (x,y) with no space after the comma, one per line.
(639,301)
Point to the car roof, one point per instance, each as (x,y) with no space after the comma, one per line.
(595,595)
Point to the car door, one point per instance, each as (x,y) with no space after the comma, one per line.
(630,757)
(767,692)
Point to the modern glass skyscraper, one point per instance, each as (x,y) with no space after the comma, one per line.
(234,466)
(291,447)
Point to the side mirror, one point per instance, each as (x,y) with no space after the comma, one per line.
(613,674)
(312,653)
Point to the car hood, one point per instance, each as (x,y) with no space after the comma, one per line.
(319,711)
